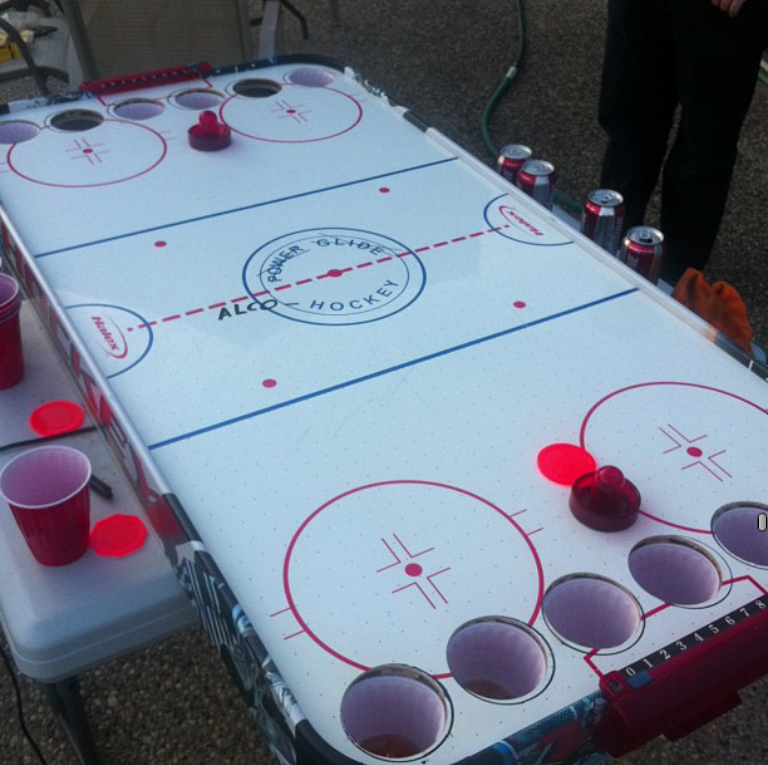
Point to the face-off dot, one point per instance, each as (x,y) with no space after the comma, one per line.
(56,417)
(413,569)
(384,190)
(519,304)
(694,451)
(269,383)
(564,463)
(161,243)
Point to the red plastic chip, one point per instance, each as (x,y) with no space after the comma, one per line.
(118,535)
(56,417)
(564,463)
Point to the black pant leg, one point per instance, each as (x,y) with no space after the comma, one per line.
(638,97)
(717,61)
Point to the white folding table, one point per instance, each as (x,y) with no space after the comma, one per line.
(61,621)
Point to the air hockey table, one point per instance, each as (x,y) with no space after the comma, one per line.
(352,374)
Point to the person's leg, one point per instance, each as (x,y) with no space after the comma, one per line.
(718,59)
(637,99)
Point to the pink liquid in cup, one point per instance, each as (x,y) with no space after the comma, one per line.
(11,354)
(47,490)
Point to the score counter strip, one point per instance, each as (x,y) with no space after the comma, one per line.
(636,672)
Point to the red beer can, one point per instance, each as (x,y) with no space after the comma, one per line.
(511,158)
(642,250)
(603,218)
(537,179)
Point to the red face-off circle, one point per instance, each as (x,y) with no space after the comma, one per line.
(393,566)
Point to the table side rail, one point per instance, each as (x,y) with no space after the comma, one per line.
(270,701)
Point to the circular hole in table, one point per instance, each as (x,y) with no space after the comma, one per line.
(138,109)
(311,78)
(497,659)
(735,528)
(254,88)
(591,611)
(198,98)
(675,570)
(17,131)
(396,712)
(76,120)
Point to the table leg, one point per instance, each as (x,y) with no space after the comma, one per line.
(64,696)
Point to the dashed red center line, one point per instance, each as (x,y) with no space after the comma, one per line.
(335,273)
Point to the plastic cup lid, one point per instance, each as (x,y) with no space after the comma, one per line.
(118,535)
(56,417)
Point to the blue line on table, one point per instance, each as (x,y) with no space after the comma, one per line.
(389,370)
(243,208)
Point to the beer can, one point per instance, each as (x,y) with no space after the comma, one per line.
(603,218)
(511,158)
(537,179)
(642,250)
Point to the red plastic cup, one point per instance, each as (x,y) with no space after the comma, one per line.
(47,490)
(11,354)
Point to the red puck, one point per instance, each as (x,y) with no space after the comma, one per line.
(118,535)
(564,463)
(56,417)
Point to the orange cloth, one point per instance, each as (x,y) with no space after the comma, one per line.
(719,304)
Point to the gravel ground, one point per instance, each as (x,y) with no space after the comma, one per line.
(173,702)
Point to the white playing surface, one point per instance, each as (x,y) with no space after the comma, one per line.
(360,457)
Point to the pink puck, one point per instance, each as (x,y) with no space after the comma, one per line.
(56,417)
(118,535)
